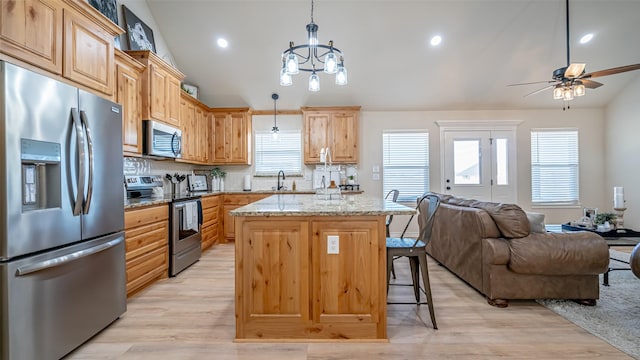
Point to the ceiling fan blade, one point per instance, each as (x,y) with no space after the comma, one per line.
(590,84)
(540,90)
(612,71)
(574,70)
(535,82)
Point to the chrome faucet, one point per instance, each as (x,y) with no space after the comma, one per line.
(280,186)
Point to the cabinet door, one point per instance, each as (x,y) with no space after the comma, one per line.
(341,281)
(274,281)
(31,30)
(202,135)
(221,138)
(229,222)
(239,139)
(316,128)
(187,114)
(344,137)
(88,53)
(173,101)
(128,87)
(158,87)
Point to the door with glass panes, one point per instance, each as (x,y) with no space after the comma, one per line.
(480,164)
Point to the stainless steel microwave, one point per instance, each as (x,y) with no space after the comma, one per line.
(161,139)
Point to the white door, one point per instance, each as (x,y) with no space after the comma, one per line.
(480,164)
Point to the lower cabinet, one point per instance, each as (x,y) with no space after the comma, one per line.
(147,246)
(232,202)
(210,222)
(290,285)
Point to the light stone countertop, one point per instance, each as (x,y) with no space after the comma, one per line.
(310,205)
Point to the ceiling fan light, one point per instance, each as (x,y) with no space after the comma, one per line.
(314,82)
(557,93)
(567,94)
(579,90)
(574,70)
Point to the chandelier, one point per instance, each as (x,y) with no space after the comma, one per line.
(312,57)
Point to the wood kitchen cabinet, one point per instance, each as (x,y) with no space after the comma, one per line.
(147,246)
(65,37)
(196,126)
(289,287)
(160,88)
(89,49)
(211,223)
(231,202)
(231,136)
(32,31)
(127,94)
(332,127)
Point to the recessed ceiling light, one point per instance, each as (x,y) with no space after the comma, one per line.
(436,40)
(222,43)
(585,39)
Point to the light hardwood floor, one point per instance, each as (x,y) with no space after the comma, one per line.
(192,317)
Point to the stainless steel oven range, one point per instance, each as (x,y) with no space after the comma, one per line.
(185,221)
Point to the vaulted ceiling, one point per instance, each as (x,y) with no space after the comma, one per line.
(487,44)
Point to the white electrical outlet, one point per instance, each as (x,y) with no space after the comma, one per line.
(376,168)
(333,244)
(375,177)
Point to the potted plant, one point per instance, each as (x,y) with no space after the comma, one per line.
(604,219)
(217,181)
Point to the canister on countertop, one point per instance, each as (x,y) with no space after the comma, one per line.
(247,183)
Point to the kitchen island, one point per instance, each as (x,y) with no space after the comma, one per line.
(312,270)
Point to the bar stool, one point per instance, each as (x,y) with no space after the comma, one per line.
(415,250)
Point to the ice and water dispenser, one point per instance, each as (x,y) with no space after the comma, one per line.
(40,174)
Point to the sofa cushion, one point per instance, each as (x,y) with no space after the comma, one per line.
(536,221)
(579,253)
(510,218)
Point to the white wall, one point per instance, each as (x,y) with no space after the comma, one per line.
(590,123)
(622,149)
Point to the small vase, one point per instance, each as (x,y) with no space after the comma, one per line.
(221,184)
(215,184)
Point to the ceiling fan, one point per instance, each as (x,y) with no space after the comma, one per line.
(571,80)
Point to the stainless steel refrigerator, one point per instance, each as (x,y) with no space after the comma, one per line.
(62,252)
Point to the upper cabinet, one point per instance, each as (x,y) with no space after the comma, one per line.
(127,94)
(231,139)
(196,126)
(32,31)
(68,38)
(160,88)
(335,128)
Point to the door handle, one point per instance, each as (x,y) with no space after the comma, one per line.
(65,259)
(85,122)
(77,207)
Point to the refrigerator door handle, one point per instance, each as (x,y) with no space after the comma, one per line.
(77,207)
(87,204)
(65,259)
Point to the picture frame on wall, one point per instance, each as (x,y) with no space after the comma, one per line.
(190,89)
(139,34)
(109,9)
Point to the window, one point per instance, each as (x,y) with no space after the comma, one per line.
(406,163)
(285,153)
(554,166)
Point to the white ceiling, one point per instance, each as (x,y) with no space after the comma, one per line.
(487,44)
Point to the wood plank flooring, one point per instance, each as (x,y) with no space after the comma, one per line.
(192,317)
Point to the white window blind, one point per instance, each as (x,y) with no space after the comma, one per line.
(554,166)
(406,163)
(285,153)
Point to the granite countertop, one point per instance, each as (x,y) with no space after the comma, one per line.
(310,205)
(141,202)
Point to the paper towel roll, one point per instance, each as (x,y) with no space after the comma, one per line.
(247,183)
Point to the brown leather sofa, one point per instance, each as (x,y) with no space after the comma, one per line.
(491,247)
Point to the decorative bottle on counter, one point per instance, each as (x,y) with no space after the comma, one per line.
(221,184)
(293,185)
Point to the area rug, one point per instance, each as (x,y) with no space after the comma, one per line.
(616,317)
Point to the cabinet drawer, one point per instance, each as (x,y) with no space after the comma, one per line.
(146,238)
(210,201)
(146,268)
(210,215)
(138,217)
